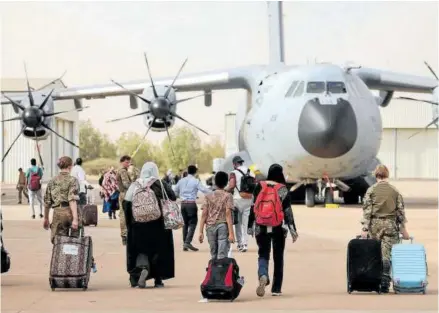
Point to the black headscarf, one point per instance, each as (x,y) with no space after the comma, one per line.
(275,173)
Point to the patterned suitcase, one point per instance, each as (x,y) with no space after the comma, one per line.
(72,261)
(409,268)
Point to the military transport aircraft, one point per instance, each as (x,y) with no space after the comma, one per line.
(321,122)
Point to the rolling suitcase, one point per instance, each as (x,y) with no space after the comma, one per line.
(72,261)
(409,268)
(90,212)
(364,265)
(222,281)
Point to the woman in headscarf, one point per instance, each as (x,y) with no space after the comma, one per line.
(110,192)
(150,247)
(267,236)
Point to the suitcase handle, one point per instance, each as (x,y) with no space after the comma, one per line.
(411,238)
(81,232)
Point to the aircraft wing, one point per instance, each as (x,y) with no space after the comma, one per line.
(390,81)
(214,80)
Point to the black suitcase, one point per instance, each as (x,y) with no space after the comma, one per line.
(222,281)
(364,265)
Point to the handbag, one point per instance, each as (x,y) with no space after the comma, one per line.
(171,212)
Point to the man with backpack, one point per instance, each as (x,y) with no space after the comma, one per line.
(241,184)
(33,180)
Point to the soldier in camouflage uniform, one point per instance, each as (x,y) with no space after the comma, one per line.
(123,181)
(384,218)
(62,194)
(133,172)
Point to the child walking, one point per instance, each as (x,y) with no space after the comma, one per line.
(217,216)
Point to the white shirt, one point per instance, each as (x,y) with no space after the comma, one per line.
(79,173)
(238,176)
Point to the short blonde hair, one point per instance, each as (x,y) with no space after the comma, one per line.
(381,172)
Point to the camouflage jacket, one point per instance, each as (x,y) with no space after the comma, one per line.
(383,200)
(61,188)
(123,180)
(133,173)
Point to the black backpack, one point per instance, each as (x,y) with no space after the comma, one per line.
(248,183)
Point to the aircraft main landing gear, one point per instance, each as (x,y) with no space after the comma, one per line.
(310,196)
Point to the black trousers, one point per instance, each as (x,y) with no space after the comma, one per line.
(264,241)
(189,211)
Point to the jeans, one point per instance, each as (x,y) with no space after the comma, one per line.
(243,207)
(189,211)
(32,195)
(218,238)
(264,241)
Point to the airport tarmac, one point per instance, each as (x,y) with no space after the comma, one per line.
(314,273)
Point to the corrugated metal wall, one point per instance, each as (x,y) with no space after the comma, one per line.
(407,114)
(416,157)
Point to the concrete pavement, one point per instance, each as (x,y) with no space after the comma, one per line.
(314,279)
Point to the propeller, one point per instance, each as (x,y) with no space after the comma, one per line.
(160,106)
(435,120)
(34,116)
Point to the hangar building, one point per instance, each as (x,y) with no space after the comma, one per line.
(25,149)
(406,158)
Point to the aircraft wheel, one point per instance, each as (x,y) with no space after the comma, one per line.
(309,196)
(329,196)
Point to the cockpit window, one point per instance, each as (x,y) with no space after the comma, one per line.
(291,89)
(336,87)
(299,90)
(315,87)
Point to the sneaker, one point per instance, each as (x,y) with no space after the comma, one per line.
(260,291)
(239,248)
(244,248)
(276,294)
(142,279)
(33,216)
(41,215)
(190,247)
(159,284)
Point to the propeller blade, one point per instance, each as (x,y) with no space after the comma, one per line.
(31,98)
(53,81)
(38,148)
(132,93)
(190,98)
(184,120)
(124,118)
(176,76)
(46,99)
(70,142)
(16,104)
(61,112)
(431,70)
(169,138)
(425,128)
(13,119)
(144,136)
(21,132)
(420,100)
(150,77)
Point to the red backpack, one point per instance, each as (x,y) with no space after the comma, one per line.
(35,181)
(268,206)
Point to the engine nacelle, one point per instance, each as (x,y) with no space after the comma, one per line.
(169,120)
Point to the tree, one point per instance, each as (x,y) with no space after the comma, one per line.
(209,152)
(90,140)
(108,148)
(128,143)
(186,145)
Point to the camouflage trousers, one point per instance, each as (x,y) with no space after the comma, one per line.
(123,226)
(387,231)
(61,223)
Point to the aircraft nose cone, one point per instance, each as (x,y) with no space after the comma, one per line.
(327,131)
(160,107)
(32,116)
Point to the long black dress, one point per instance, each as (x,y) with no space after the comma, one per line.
(150,244)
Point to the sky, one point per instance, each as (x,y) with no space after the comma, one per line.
(99,41)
